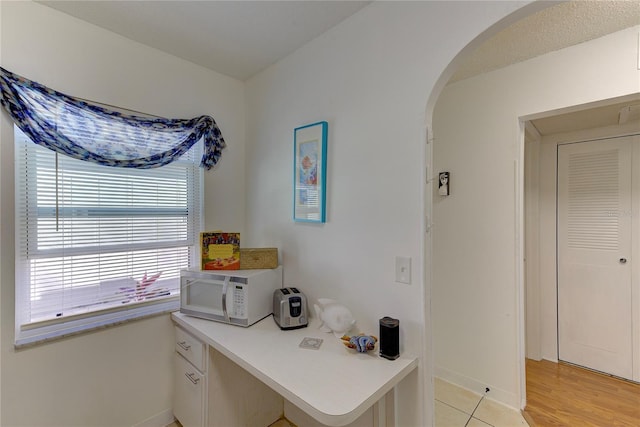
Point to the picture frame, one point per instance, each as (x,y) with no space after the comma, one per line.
(310,172)
(444,183)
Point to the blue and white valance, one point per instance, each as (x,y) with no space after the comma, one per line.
(91,132)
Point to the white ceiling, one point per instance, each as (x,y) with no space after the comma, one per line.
(235,38)
(241,38)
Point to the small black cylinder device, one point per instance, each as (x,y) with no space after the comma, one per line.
(389,338)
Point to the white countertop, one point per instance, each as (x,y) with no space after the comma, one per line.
(335,385)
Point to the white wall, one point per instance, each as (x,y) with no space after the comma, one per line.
(374,78)
(478,139)
(370,78)
(119,376)
(532,245)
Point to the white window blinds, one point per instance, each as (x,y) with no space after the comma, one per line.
(97,244)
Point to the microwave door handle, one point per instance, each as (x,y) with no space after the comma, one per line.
(225,287)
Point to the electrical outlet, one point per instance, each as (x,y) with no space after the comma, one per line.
(403,269)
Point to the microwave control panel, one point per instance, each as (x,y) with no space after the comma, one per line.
(239,302)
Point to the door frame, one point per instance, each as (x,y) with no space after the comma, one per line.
(599,145)
(544,306)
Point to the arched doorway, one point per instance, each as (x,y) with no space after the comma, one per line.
(486,278)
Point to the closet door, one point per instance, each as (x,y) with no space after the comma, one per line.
(595,323)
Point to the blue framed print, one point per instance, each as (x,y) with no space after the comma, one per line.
(310,172)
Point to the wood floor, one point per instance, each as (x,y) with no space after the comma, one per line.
(560,394)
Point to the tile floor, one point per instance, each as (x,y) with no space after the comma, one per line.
(279,423)
(282,423)
(459,407)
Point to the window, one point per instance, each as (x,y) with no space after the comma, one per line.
(96,244)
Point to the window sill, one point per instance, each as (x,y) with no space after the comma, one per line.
(42,335)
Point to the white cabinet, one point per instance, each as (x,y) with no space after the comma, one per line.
(190,380)
(211,390)
(191,349)
(189,394)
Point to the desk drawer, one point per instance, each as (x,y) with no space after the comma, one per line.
(189,394)
(190,348)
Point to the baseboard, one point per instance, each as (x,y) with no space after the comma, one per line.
(495,393)
(162,419)
(528,418)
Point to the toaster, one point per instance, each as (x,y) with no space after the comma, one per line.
(290,308)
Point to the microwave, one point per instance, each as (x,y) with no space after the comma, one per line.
(237,297)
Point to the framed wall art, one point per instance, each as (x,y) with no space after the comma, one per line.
(309,172)
(443,183)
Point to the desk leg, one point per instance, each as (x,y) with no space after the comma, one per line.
(384,410)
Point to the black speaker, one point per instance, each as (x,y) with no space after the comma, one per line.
(389,338)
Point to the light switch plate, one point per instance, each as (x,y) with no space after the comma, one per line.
(403,269)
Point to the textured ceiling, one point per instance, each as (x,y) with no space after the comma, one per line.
(554,28)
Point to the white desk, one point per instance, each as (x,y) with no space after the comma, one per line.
(334,385)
